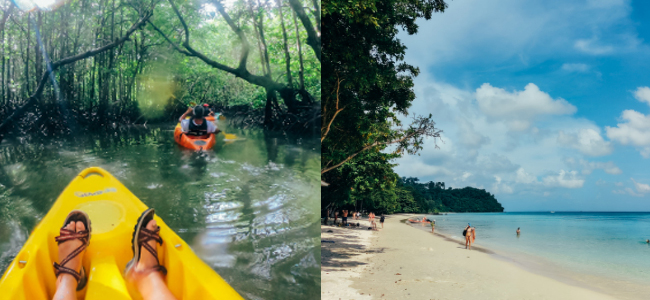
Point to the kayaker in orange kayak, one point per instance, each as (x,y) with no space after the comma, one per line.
(197,126)
(145,269)
(210,111)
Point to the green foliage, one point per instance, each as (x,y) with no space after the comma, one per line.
(432,197)
(407,195)
(117,87)
(365,80)
(366,87)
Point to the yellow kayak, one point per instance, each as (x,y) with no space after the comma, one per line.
(113,212)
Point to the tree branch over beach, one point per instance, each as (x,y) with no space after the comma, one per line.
(409,140)
(367,84)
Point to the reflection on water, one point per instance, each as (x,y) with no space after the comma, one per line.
(249,209)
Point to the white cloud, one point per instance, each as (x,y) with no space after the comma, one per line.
(593,46)
(469,136)
(524,177)
(499,187)
(641,187)
(517,30)
(633,130)
(642,94)
(580,68)
(588,167)
(588,141)
(519,108)
(564,179)
(627,191)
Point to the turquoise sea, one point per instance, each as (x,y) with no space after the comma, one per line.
(600,250)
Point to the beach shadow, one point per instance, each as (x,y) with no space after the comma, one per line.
(341,254)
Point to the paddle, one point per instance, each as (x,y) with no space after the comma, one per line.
(227,137)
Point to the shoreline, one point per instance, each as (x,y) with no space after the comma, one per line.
(619,287)
(404,263)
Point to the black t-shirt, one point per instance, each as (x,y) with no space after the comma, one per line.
(381,219)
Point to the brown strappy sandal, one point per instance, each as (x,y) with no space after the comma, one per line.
(141,236)
(68,235)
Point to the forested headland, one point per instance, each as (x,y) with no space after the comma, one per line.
(102,63)
(367,87)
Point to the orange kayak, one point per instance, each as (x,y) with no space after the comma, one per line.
(197,143)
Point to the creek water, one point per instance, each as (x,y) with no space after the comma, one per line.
(248,208)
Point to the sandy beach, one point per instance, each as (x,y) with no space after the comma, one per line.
(400,262)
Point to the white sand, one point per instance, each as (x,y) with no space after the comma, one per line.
(344,260)
(365,265)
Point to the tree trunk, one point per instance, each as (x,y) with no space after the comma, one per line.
(27,79)
(313,37)
(38,56)
(287,58)
(261,30)
(301,73)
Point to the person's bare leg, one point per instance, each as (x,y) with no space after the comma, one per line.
(66,285)
(151,285)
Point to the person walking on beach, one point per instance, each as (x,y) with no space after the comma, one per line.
(345,217)
(336,217)
(470,235)
(381,220)
(433,225)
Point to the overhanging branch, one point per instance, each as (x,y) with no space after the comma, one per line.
(313,37)
(68,60)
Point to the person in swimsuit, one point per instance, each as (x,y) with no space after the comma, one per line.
(433,225)
(381,220)
(345,217)
(470,235)
(518,231)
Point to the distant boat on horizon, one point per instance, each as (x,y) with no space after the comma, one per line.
(552,212)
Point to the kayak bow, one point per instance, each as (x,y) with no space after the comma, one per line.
(113,211)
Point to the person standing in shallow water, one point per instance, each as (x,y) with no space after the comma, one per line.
(518,231)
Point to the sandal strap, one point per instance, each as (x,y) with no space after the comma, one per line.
(68,235)
(148,235)
(59,269)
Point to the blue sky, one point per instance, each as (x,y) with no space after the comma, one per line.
(546,104)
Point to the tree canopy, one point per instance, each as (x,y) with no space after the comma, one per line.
(366,87)
(262,55)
